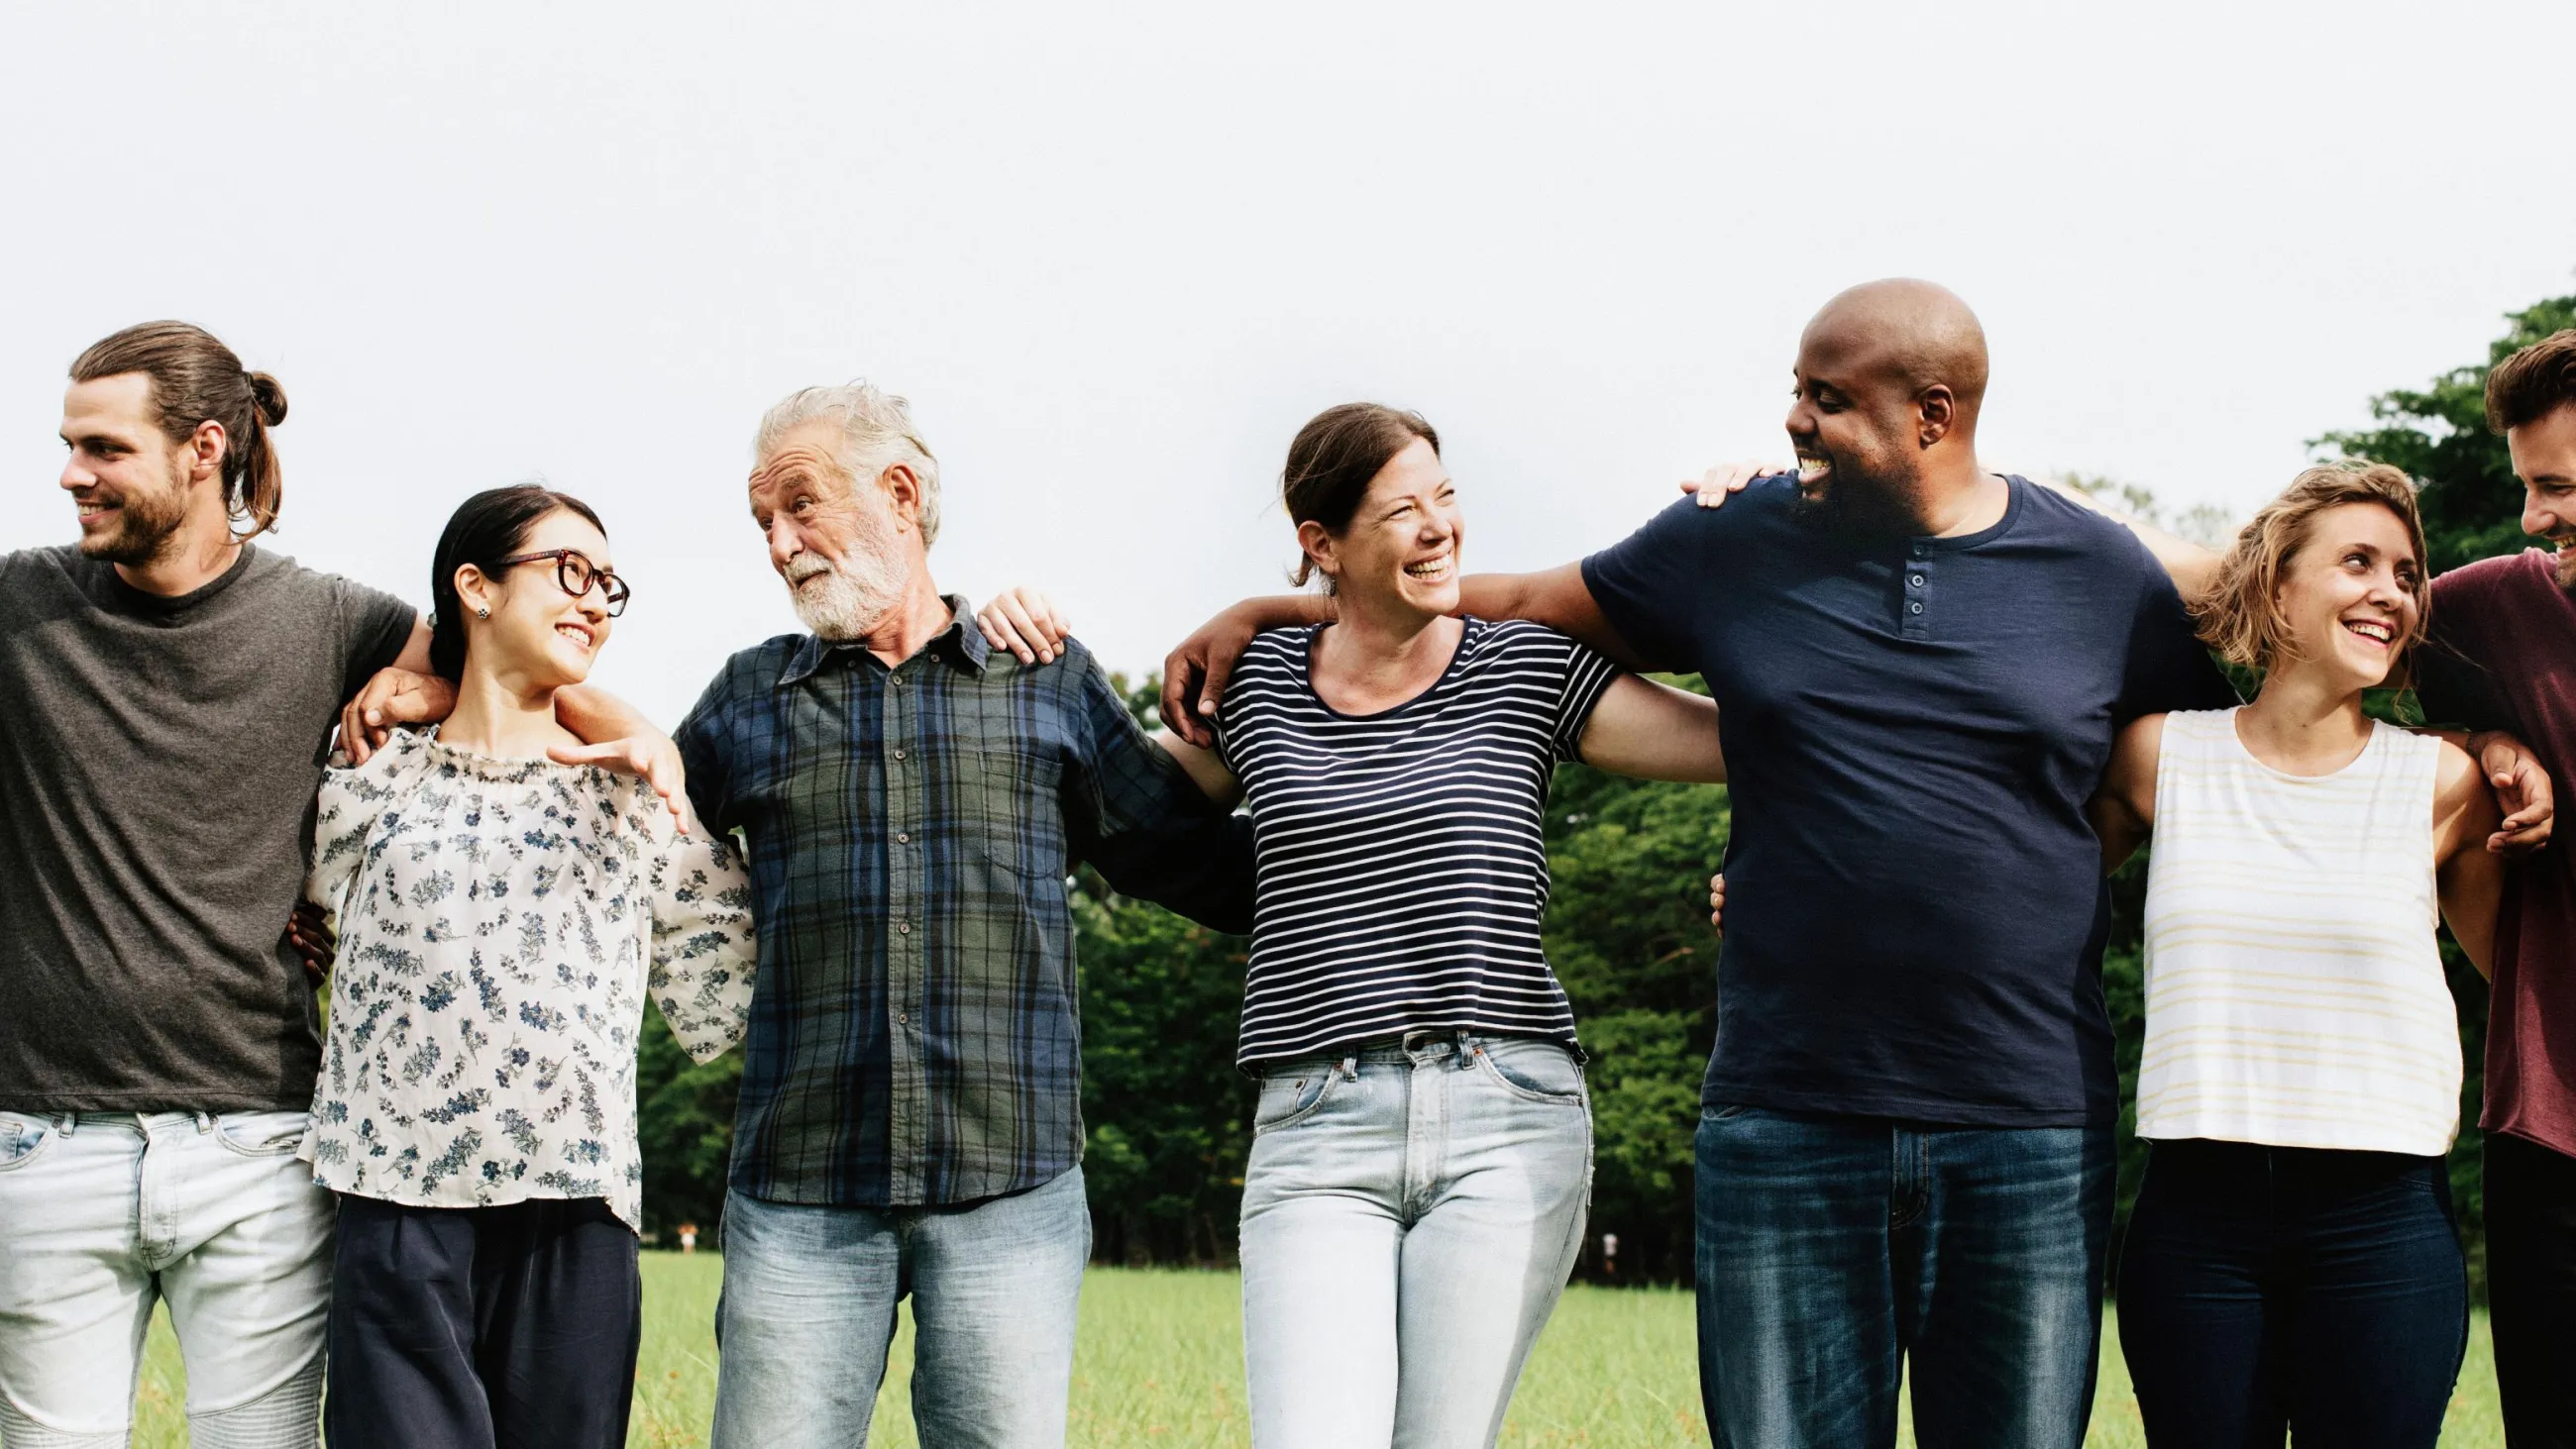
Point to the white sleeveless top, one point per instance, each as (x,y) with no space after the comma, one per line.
(2294,991)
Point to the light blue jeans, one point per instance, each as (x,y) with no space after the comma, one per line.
(1410,1215)
(809,1310)
(100,1215)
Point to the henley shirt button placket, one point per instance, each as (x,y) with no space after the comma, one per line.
(1912,625)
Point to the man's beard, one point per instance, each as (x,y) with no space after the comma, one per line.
(1854,506)
(145,524)
(844,600)
(2564,558)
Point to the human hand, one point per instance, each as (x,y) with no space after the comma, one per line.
(2522,790)
(1717,903)
(1025,622)
(651,758)
(1716,485)
(1194,674)
(394,696)
(308,933)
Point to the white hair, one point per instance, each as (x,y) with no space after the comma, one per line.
(876,433)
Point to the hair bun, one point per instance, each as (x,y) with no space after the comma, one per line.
(269,396)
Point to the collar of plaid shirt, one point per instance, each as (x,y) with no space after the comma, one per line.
(916,1038)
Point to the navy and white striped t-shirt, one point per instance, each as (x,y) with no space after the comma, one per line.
(1400,875)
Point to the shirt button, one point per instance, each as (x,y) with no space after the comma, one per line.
(898,754)
(902,839)
(1918,550)
(1914,608)
(1916,581)
(903,928)
(902,1018)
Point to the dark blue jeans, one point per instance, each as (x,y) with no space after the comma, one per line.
(2269,1290)
(1834,1249)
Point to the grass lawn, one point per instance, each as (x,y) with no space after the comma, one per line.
(1161,1363)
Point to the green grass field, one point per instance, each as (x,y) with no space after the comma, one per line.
(1161,1363)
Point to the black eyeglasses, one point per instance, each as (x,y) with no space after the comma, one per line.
(576,573)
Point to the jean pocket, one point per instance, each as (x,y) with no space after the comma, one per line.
(1726,1113)
(22,1139)
(262,1134)
(1538,1070)
(1290,1097)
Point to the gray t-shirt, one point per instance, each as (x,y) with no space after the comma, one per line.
(159,760)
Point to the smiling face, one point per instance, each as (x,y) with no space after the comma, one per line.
(2544,458)
(2352,594)
(839,544)
(128,481)
(539,636)
(1853,423)
(1401,546)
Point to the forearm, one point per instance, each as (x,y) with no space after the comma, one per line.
(596,717)
(1559,599)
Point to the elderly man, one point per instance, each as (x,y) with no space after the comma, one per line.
(910,1119)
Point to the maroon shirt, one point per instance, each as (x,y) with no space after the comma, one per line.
(2503,656)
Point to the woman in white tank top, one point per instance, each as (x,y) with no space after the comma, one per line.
(2291,1265)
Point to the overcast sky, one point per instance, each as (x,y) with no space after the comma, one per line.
(1115,257)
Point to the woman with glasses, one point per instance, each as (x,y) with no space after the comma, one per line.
(501,918)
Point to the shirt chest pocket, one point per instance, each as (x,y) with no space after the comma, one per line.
(1010,808)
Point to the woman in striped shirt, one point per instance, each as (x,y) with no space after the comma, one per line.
(1422,1155)
(2292,1264)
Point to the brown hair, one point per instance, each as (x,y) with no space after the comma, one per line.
(2533,383)
(1333,458)
(2240,614)
(196,380)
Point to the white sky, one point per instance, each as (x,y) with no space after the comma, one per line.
(1116,257)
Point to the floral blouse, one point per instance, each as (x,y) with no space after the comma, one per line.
(500,922)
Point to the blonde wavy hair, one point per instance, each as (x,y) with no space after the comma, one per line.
(2240,612)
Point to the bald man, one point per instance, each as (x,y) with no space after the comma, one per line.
(1905,1134)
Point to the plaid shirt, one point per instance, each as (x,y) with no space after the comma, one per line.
(915,1036)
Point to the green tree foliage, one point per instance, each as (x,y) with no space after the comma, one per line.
(1169,1118)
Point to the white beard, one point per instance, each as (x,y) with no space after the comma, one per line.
(844,602)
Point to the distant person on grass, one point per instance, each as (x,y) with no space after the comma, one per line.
(1905,1145)
(910,1119)
(167,694)
(501,918)
(1422,1151)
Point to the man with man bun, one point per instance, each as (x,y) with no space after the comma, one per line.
(167,694)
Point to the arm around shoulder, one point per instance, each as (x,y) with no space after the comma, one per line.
(1653,731)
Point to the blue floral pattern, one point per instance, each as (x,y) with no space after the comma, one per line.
(500,923)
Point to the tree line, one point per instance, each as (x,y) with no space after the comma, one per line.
(1169,1119)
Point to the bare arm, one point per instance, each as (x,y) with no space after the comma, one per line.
(2469,873)
(1206,769)
(1654,732)
(2123,808)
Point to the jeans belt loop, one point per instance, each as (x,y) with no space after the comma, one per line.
(1350,1068)
(205,1122)
(65,1122)
(1468,1048)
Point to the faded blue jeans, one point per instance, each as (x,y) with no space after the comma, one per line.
(1832,1250)
(1409,1217)
(809,1310)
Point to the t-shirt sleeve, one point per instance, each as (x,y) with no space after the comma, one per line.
(374,628)
(2452,684)
(2169,668)
(1652,584)
(1588,676)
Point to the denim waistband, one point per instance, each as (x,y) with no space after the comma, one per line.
(1413,1049)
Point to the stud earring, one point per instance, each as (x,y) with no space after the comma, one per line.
(482,613)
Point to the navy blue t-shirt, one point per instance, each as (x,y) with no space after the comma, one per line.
(1914,910)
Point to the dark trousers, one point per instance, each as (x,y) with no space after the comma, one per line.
(1835,1251)
(509,1327)
(2531,1289)
(2275,1290)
